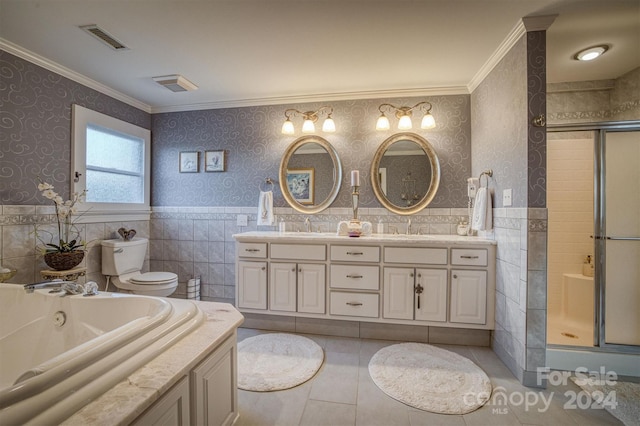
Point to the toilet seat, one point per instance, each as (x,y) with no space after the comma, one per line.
(153,278)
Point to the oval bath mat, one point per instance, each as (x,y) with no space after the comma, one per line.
(430,378)
(276,361)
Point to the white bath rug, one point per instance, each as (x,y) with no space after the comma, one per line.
(621,399)
(430,378)
(277,361)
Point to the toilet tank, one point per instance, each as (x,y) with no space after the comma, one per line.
(122,257)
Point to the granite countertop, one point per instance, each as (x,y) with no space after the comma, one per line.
(131,396)
(332,237)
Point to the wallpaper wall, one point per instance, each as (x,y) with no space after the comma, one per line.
(254,145)
(35,127)
(504,140)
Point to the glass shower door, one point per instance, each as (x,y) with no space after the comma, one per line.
(620,238)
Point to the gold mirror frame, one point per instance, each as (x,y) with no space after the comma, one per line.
(337,174)
(435,173)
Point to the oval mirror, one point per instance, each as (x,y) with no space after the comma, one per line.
(310,174)
(405,173)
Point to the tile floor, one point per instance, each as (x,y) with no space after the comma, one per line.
(342,393)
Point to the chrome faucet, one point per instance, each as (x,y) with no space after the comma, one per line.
(67,287)
(307,224)
(55,285)
(409,226)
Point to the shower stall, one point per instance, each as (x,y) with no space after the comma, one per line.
(593,267)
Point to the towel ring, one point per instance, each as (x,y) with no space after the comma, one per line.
(267,181)
(488,173)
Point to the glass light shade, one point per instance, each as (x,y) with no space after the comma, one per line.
(404,123)
(308,127)
(287,127)
(428,122)
(591,53)
(329,126)
(383,123)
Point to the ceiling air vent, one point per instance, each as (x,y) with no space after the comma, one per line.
(103,36)
(175,83)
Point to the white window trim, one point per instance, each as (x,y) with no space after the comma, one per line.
(106,212)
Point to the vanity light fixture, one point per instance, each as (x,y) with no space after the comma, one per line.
(591,53)
(404,116)
(309,119)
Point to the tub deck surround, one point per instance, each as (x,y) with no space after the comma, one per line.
(139,352)
(417,280)
(131,396)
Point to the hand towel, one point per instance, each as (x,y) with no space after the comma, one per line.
(265,208)
(482,211)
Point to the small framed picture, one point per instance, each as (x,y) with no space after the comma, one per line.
(301,184)
(189,162)
(214,161)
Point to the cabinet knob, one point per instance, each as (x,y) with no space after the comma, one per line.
(455,276)
(264,268)
(293,269)
(411,274)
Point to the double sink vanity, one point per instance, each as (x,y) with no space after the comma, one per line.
(430,280)
(437,280)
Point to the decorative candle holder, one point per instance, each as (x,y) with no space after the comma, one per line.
(355,226)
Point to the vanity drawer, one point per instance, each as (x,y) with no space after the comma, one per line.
(431,256)
(354,304)
(358,277)
(299,251)
(355,254)
(471,257)
(252,250)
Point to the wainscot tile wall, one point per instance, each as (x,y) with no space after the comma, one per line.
(189,241)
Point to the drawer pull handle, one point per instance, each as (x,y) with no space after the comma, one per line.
(354,276)
(252,250)
(470,257)
(354,303)
(355,253)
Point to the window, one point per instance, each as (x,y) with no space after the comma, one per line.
(111,160)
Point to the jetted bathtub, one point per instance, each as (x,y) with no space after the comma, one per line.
(57,352)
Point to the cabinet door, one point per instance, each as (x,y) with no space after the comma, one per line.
(252,285)
(172,409)
(282,287)
(214,386)
(431,304)
(468,296)
(311,288)
(398,293)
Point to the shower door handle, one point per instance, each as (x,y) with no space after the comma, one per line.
(606,237)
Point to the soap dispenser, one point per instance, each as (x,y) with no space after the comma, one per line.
(380,227)
(282,226)
(587,267)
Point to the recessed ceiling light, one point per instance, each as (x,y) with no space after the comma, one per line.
(591,53)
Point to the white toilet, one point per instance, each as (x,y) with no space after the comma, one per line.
(121,263)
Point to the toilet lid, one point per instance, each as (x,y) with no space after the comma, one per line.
(153,278)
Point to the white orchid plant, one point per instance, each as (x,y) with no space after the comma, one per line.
(68,234)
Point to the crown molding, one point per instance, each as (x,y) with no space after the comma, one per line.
(324,97)
(43,62)
(538,23)
(512,38)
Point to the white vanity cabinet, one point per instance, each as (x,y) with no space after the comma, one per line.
(415,293)
(297,287)
(444,281)
(251,275)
